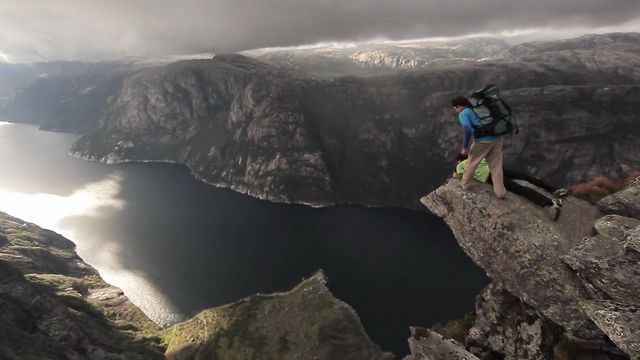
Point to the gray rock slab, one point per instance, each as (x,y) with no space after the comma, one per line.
(609,262)
(621,322)
(429,345)
(520,247)
(625,202)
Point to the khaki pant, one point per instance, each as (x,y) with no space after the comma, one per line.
(492,151)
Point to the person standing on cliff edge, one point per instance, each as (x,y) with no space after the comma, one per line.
(489,147)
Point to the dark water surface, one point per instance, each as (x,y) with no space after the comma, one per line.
(176,245)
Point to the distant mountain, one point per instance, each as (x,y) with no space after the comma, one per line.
(287,136)
(585,42)
(280,133)
(65,95)
(379,59)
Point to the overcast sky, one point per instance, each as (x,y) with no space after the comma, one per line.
(34,30)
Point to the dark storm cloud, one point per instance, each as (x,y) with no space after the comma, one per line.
(50,29)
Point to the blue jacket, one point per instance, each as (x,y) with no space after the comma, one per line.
(467,118)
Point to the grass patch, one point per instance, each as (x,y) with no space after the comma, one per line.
(67,285)
(456,329)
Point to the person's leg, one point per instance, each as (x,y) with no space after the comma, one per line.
(552,206)
(476,153)
(528,193)
(494,158)
(512,174)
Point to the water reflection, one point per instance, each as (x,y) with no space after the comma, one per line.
(47,210)
(94,200)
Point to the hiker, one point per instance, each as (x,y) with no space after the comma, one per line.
(488,146)
(482,172)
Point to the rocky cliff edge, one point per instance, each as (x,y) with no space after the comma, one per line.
(567,287)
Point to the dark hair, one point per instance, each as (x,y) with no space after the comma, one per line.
(461,157)
(460,100)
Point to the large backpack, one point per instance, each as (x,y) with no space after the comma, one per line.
(495,115)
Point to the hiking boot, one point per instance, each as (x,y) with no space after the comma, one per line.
(554,209)
(561,193)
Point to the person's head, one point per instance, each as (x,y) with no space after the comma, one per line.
(459,103)
(461,157)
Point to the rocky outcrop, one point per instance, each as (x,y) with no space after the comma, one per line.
(507,327)
(48,307)
(522,253)
(35,323)
(621,322)
(304,323)
(608,261)
(429,345)
(625,202)
(559,287)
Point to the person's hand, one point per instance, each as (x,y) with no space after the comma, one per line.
(455,174)
(464,151)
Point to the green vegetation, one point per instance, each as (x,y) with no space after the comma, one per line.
(283,343)
(67,285)
(21,238)
(456,329)
(305,320)
(420,332)
(128,317)
(203,330)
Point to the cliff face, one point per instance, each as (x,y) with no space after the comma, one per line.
(283,136)
(54,306)
(566,287)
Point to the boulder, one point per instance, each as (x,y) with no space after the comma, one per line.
(625,202)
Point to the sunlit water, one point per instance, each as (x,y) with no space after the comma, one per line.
(177,246)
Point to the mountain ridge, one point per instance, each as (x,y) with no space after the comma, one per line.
(287,136)
(376,141)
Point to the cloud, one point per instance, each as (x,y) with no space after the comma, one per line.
(80,29)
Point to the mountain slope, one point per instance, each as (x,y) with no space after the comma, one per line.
(283,136)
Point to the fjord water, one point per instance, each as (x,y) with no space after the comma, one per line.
(176,245)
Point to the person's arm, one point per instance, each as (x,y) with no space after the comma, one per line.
(467,129)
